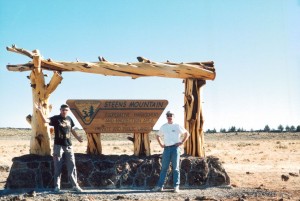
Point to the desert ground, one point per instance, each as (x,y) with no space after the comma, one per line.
(254,161)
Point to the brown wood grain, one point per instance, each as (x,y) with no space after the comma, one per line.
(117,116)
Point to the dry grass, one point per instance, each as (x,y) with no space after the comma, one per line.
(266,156)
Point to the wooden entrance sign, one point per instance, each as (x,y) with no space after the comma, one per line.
(194,74)
(118,116)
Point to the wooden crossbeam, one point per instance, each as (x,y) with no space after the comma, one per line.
(143,68)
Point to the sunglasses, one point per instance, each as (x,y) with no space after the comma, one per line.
(169,115)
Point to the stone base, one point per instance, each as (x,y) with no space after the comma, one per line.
(114,171)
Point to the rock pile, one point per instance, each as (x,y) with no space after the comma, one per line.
(115,171)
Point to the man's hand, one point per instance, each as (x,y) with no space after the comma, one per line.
(39,108)
(178,144)
(160,141)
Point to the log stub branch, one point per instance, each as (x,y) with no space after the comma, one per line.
(14,48)
(54,82)
(20,67)
(28,118)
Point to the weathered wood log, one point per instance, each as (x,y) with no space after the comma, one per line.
(200,144)
(54,82)
(15,49)
(193,117)
(20,67)
(136,144)
(141,144)
(147,144)
(199,70)
(94,143)
(40,138)
(28,118)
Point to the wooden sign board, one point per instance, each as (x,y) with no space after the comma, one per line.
(117,116)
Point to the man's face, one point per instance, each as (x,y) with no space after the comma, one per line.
(64,111)
(170,117)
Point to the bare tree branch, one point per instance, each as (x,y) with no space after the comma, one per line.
(20,67)
(14,48)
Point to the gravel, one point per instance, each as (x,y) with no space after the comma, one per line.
(212,193)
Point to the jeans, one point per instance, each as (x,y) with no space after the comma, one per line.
(170,154)
(58,160)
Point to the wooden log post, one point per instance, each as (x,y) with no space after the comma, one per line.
(40,139)
(193,117)
(94,143)
(141,144)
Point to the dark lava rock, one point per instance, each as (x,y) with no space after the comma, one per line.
(122,168)
(126,180)
(139,180)
(23,178)
(105,171)
(47,179)
(186,165)
(103,165)
(152,180)
(32,165)
(84,167)
(102,179)
(196,178)
(200,165)
(146,167)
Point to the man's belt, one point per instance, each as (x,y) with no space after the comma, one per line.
(174,145)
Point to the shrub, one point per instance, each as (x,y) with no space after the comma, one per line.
(267,128)
(280,127)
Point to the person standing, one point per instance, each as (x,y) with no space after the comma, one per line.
(63,127)
(171,134)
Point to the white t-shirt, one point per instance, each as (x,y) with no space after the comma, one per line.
(171,133)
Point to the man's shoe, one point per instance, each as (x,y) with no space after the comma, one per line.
(176,189)
(77,189)
(158,189)
(56,189)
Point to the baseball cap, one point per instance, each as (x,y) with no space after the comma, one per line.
(64,106)
(170,112)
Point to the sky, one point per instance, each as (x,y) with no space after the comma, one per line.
(255,46)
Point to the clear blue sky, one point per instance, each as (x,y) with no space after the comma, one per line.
(255,46)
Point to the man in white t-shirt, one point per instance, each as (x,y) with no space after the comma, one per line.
(171,134)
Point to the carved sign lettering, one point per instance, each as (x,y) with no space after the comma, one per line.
(117,116)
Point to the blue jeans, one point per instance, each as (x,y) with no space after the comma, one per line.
(170,154)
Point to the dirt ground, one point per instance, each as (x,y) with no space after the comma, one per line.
(254,161)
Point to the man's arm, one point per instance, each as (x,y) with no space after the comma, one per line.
(186,136)
(79,138)
(45,119)
(160,141)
